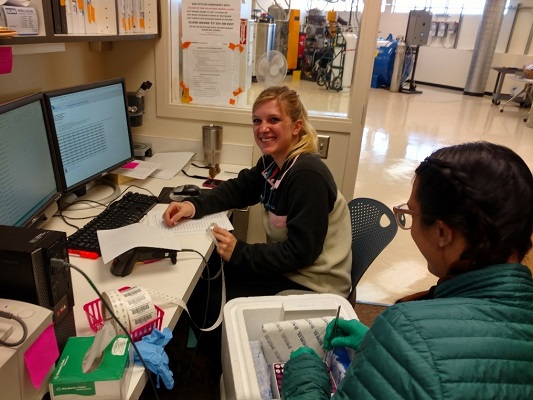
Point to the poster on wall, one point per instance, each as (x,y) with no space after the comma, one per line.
(211,21)
(208,73)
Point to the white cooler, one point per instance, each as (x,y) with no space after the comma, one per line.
(243,320)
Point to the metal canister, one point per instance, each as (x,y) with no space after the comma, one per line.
(397,71)
(212,138)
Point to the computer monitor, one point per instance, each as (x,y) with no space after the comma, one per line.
(29,183)
(91,133)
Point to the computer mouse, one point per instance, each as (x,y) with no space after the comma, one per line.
(186,190)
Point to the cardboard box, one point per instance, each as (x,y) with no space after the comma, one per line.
(109,381)
(243,321)
(528,71)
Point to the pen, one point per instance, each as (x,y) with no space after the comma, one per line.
(333,334)
(83,254)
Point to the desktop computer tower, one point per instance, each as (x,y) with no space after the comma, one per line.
(26,274)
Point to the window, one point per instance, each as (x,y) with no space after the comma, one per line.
(474,7)
(338,108)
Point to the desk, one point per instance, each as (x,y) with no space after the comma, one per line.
(526,92)
(177,280)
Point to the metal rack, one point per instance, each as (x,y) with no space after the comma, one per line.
(497,95)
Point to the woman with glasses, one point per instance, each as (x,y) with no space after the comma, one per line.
(470,213)
(305,217)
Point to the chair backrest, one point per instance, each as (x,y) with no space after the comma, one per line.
(373,228)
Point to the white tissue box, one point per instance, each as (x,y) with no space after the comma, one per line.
(109,381)
(243,321)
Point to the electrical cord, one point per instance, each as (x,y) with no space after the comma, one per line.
(59,263)
(8,315)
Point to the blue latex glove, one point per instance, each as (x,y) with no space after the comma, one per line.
(348,334)
(303,350)
(152,351)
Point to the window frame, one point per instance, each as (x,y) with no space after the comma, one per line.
(170,107)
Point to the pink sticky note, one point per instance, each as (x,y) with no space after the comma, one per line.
(6,60)
(130,165)
(41,356)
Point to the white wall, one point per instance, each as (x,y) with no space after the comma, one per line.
(439,63)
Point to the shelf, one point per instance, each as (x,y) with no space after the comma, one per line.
(109,31)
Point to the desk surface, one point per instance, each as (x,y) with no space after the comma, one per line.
(175,281)
(521,79)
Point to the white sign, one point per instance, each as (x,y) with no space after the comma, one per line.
(211,21)
(209,73)
(21,19)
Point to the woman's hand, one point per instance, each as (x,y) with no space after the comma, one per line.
(225,242)
(176,211)
(348,333)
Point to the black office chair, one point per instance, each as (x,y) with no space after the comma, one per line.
(373,228)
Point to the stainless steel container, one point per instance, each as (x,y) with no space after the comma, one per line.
(212,138)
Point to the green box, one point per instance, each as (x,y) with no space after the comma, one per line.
(109,381)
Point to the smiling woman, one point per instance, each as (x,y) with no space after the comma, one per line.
(308,244)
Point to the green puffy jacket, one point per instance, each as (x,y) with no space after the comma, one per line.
(473,340)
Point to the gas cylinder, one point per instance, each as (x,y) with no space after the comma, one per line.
(397,70)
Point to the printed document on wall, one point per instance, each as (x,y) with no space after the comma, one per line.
(208,73)
(210,21)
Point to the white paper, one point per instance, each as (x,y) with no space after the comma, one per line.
(208,69)
(24,20)
(102,338)
(17,3)
(211,21)
(187,226)
(137,169)
(114,242)
(170,163)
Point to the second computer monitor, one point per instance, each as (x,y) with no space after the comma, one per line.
(91,131)
(29,183)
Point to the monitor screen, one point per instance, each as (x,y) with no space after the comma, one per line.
(29,184)
(91,131)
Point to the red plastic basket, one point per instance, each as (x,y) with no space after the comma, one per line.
(94,316)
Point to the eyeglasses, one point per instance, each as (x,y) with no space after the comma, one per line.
(404,216)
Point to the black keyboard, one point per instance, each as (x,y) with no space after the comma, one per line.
(125,211)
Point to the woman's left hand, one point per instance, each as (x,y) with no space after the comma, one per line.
(226,242)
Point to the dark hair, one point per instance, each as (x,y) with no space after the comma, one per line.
(486,191)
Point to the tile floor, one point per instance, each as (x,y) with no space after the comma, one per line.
(401,130)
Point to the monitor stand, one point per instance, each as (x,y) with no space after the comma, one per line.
(101,191)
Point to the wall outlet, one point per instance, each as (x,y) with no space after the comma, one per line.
(323,145)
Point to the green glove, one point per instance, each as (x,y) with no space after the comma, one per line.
(303,350)
(348,334)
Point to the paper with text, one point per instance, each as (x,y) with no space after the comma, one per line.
(187,226)
(137,169)
(170,163)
